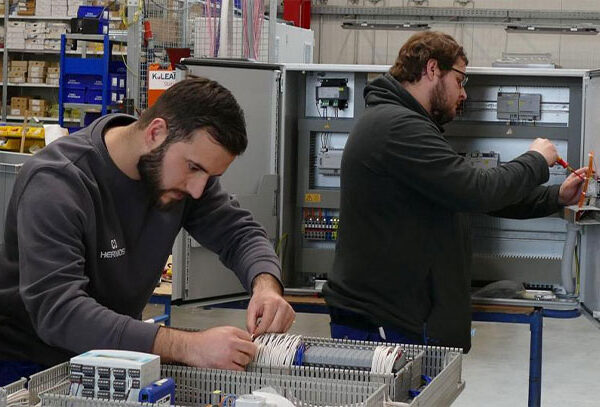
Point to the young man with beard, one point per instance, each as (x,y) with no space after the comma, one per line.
(93,218)
(401,270)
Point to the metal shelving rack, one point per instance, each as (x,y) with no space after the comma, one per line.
(85,66)
(5,116)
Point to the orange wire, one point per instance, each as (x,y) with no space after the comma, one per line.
(588,174)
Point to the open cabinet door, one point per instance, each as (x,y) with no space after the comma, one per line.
(590,237)
(252,178)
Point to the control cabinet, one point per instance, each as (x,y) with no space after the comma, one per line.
(506,109)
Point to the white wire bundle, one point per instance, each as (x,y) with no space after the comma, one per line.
(18,398)
(276,350)
(384,358)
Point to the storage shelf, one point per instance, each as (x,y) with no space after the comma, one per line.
(84,107)
(18,119)
(49,18)
(30,85)
(57,52)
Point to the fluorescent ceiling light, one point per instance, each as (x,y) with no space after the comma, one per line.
(375,25)
(536,29)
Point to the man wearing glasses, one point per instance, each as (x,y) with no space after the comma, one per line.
(402,263)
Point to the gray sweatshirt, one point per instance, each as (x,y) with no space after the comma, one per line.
(84,248)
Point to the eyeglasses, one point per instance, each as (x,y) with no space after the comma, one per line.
(465,77)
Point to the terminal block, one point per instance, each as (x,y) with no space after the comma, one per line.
(320,224)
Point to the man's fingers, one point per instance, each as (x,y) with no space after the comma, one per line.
(251,319)
(266,319)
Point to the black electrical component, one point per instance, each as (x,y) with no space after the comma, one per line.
(333,93)
(85,25)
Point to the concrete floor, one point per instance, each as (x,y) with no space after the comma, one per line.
(497,368)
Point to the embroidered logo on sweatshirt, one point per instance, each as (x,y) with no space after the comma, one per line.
(115,252)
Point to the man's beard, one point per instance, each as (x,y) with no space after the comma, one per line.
(441,111)
(150,168)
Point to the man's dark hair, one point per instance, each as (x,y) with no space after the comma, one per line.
(420,48)
(200,103)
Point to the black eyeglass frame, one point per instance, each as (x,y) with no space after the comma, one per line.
(465,77)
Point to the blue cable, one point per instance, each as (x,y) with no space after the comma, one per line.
(299,356)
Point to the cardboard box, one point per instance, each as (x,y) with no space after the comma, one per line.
(53,81)
(17,112)
(37,102)
(19,103)
(53,70)
(36,80)
(39,110)
(34,44)
(43,64)
(20,79)
(36,72)
(19,64)
(16,71)
(16,75)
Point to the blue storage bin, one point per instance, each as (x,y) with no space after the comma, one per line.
(118,81)
(94,82)
(99,12)
(75,95)
(93,96)
(74,81)
(90,117)
(83,81)
(116,96)
(117,67)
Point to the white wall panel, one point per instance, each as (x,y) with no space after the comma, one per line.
(483,43)
(534,43)
(488,43)
(338,45)
(579,51)
(589,5)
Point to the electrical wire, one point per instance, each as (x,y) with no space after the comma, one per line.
(136,14)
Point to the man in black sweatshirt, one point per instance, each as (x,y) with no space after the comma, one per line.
(402,263)
(92,220)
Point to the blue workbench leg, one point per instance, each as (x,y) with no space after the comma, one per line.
(535,358)
(166,302)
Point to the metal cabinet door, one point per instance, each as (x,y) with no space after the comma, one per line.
(252,178)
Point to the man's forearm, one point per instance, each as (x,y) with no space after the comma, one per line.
(266,281)
(170,345)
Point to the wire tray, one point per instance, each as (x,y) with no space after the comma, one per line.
(196,386)
(11,389)
(305,386)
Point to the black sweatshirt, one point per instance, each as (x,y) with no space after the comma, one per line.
(84,248)
(403,253)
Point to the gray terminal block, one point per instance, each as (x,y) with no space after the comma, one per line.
(344,358)
(339,357)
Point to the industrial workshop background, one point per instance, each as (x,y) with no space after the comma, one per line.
(560,32)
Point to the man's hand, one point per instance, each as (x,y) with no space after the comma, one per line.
(571,188)
(268,305)
(223,347)
(545,148)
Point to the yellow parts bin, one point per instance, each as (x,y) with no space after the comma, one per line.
(10,138)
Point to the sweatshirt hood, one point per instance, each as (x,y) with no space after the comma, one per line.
(387,90)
